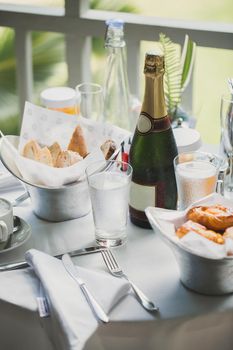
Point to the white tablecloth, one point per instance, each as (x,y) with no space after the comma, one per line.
(185,317)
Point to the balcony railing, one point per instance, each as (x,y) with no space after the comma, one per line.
(79,24)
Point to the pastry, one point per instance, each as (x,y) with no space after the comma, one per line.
(55,149)
(108,148)
(191,226)
(188,226)
(215,217)
(78,143)
(67,158)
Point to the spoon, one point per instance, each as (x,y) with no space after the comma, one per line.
(20,199)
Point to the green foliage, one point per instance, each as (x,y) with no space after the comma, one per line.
(114,5)
(178,70)
(48,52)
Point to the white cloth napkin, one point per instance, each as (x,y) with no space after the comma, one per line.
(71,319)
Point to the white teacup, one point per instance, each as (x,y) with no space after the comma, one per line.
(6,221)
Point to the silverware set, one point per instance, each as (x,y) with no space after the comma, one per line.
(113,267)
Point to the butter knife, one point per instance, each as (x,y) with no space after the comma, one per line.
(78,252)
(73,272)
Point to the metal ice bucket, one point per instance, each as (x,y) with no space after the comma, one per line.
(202,275)
(53,204)
(60,204)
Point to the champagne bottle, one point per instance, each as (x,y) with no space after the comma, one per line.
(153,149)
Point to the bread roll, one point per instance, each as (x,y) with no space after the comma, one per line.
(31,150)
(67,158)
(108,148)
(78,143)
(45,156)
(55,149)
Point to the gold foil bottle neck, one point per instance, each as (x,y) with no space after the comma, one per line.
(154,64)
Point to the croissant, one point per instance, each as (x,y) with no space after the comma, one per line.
(216,217)
(191,226)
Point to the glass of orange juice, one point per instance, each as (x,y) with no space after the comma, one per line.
(63,99)
(196,176)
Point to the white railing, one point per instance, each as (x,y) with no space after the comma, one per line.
(79,24)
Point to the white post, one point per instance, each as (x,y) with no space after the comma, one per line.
(78,47)
(24,70)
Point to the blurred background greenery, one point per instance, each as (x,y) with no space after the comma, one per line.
(212,66)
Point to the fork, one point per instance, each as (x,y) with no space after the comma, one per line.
(116,270)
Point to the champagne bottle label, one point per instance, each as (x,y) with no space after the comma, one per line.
(147,124)
(143,196)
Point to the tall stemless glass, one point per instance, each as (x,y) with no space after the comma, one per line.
(109,184)
(196,176)
(226,114)
(92,101)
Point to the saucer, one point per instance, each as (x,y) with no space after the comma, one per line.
(20,236)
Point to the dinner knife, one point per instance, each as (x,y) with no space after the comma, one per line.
(78,252)
(73,272)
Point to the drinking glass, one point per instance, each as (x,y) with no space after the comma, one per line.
(226,114)
(109,184)
(91,103)
(196,176)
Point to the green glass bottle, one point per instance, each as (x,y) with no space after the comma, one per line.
(153,149)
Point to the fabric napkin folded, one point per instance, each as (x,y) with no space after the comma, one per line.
(71,315)
(71,320)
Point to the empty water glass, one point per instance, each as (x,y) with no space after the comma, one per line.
(109,184)
(91,101)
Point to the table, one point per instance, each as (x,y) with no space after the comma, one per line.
(186,319)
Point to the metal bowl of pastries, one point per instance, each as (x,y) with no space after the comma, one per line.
(205,275)
(66,202)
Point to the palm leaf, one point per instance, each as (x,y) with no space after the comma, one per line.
(187,61)
(178,70)
(172,77)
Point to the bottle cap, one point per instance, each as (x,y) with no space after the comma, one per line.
(115,22)
(59,97)
(187,139)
